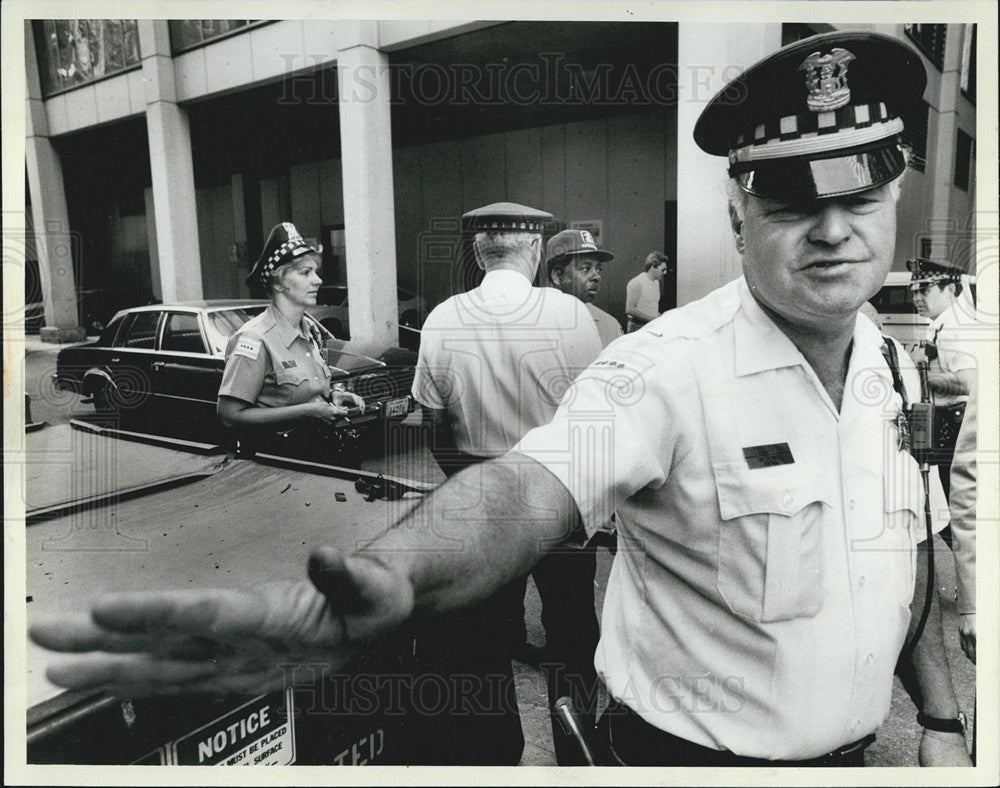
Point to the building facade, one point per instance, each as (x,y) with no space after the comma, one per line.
(159,153)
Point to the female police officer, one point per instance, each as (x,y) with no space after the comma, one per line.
(275,378)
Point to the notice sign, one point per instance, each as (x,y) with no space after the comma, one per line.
(258,733)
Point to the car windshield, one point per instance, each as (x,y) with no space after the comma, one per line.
(896,300)
(224,322)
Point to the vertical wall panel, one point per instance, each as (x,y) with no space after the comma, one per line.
(634,222)
(554,170)
(219,272)
(305,199)
(441,190)
(524,168)
(406,181)
(270,209)
(331,192)
(483,171)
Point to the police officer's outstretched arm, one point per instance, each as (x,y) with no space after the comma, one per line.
(445,554)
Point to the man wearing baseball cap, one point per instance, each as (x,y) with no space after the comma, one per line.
(574,265)
(760,595)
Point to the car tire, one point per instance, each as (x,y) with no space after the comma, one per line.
(104,401)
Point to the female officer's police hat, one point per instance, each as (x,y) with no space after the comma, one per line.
(284,244)
(818,118)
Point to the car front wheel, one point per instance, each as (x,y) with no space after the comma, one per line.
(104,401)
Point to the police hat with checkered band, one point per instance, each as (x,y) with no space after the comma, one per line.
(284,244)
(925,272)
(818,118)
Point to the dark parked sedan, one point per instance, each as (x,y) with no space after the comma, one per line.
(164,362)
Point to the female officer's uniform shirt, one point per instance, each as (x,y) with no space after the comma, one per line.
(760,594)
(271,363)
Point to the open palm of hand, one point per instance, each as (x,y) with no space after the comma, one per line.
(224,641)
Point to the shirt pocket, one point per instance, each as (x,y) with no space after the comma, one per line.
(770,565)
(903,525)
(293,384)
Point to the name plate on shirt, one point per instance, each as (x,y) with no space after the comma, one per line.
(768,456)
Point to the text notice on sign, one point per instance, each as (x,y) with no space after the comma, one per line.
(258,733)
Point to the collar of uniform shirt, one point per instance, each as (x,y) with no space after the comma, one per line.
(760,345)
(505,280)
(286,330)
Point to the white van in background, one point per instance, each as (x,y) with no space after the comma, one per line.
(894,304)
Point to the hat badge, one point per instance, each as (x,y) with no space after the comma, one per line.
(826,79)
(586,237)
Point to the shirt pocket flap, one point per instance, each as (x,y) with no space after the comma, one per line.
(780,489)
(902,489)
(292,377)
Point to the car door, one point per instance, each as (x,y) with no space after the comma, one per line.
(186,376)
(129,364)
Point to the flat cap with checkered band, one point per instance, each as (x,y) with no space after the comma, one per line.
(818,118)
(925,272)
(285,243)
(506,217)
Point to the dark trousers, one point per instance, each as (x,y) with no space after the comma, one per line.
(463,710)
(625,739)
(944,473)
(565,581)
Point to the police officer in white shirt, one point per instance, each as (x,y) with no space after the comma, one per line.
(949,352)
(749,443)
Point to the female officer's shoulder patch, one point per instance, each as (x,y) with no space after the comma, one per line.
(247,346)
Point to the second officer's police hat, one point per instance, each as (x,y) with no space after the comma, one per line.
(505,217)
(925,272)
(818,118)
(284,244)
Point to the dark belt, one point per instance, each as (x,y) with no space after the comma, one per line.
(631,741)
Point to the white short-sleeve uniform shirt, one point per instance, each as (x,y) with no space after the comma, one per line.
(760,594)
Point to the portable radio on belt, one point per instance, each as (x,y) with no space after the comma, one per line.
(916,430)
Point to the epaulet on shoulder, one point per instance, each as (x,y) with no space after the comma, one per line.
(697,319)
(257,326)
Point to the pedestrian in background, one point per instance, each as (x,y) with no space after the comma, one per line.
(574,265)
(642,293)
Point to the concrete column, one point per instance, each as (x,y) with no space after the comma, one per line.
(942,131)
(154,256)
(369,215)
(709,55)
(54,242)
(174,210)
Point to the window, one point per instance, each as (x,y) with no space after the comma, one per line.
(930,40)
(894,300)
(224,323)
(967,80)
(915,134)
(963,160)
(181,334)
(73,52)
(139,332)
(796,31)
(187,34)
